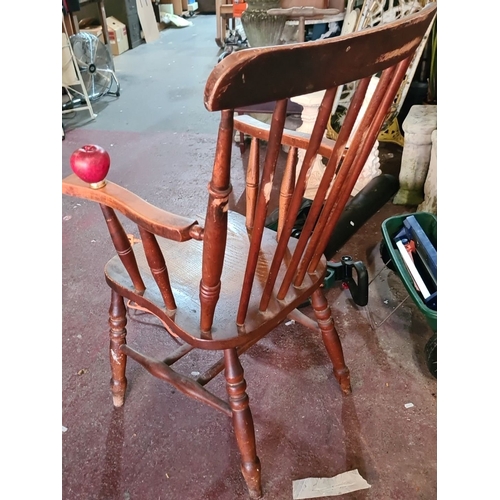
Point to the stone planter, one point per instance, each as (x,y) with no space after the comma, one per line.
(260,28)
(418,126)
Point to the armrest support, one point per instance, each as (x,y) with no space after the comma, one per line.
(151,218)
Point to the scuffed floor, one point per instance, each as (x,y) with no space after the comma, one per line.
(164,446)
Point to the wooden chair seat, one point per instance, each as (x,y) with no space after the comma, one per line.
(185,275)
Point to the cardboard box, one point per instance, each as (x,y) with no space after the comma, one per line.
(177,5)
(166,8)
(97,31)
(92,26)
(117,36)
(69,76)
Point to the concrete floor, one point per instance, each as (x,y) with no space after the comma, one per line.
(162,445)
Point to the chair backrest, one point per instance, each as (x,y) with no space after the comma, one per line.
(260,75)
(276,74)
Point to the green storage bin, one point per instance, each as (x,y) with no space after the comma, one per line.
(392,226)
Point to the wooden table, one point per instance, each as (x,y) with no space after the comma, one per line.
(307,15)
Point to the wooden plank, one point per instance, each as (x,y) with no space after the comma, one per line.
(226,10)
(148,20)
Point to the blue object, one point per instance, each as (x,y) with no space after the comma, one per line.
(412,230)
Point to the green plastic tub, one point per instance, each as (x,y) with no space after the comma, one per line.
(390,227)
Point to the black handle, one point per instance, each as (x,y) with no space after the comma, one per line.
(342,271)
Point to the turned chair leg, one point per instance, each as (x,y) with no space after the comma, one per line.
(331,339)
(117,337)
(242,422)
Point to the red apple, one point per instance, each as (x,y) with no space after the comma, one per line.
(90,163)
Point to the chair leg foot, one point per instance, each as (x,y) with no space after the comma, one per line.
(242,422)
(344,379)
(251,474)
(331,340)
(118,400)
(117,337)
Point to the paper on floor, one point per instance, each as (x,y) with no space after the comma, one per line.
(315,487)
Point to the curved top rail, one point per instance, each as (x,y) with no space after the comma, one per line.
(254,76)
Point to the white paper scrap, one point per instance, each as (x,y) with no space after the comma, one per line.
(316,487)
(409,405)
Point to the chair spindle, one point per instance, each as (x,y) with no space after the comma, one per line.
(158,267)
(252,182)
(266,185)
(328,175)
(123,247)
(350,168)
(319,128)
(358,152)
(287,187)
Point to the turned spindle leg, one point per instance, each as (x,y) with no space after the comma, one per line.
(331,339)
(117,337)
(242,422)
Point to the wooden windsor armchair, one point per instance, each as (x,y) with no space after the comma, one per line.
(189,273)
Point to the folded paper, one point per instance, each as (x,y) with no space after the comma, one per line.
(316,487)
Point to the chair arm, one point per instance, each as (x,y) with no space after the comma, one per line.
(260,130)
(151,218)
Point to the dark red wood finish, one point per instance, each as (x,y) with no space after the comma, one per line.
(190,274)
